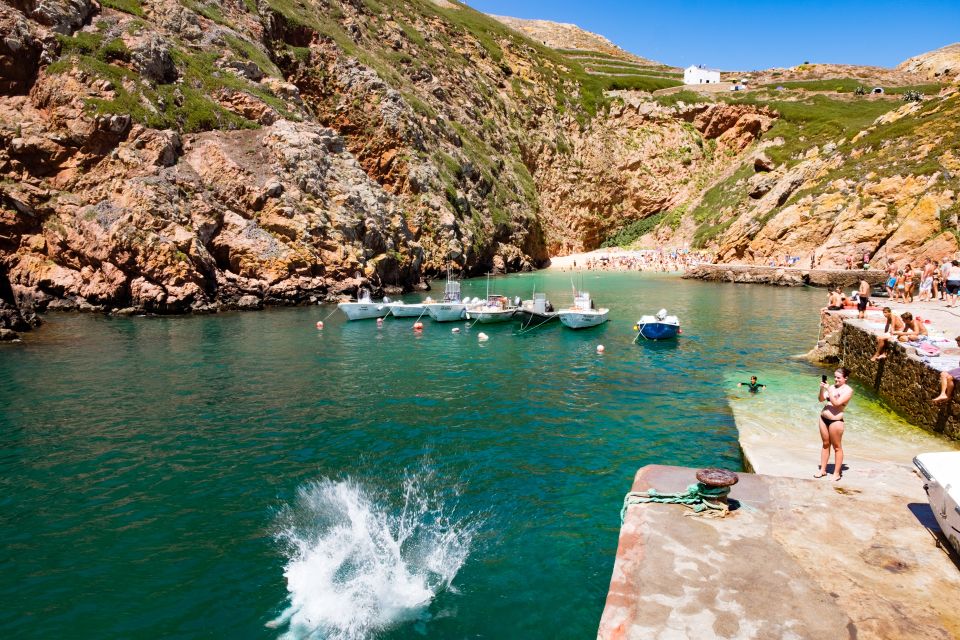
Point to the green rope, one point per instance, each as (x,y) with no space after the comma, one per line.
(698,497)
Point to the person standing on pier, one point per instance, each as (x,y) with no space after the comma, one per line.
(863,299)
(836,396)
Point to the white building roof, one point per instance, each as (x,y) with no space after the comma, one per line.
(701,68)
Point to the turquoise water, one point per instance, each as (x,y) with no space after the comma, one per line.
(248,476)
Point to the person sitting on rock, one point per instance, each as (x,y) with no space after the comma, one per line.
(913,329)
(947,382)
(895,325)
(835,301)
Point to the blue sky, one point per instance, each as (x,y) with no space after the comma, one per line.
(744,34)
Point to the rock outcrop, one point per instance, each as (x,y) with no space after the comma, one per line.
(942,64)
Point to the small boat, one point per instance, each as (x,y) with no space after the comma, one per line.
(495,308)
(941,475)
(582,314)
(409,309)
(538,311)
(364,307)
(658,327)
(451,307)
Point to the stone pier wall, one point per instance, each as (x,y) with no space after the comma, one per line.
(904,381)
(784,276)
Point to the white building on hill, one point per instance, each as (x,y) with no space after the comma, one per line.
(695,74)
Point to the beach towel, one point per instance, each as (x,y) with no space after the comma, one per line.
(944,363)
(928,349)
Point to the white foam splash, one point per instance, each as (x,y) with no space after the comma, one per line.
(356,566)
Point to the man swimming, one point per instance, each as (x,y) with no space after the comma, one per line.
(753,386)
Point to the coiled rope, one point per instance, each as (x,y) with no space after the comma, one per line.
(698,497)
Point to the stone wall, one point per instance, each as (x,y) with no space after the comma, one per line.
(784,276)
(906,383)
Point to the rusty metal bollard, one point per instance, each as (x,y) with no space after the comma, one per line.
(717,479)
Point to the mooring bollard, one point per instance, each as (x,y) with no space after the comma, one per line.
(718,479)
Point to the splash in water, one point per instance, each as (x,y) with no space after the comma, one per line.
(356,566)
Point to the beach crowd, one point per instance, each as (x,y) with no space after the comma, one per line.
(662,260)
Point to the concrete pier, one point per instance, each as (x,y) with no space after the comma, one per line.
(906,379)
(800,557)
(794,559)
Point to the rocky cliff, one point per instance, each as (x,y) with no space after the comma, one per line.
(191,155)
(174,156)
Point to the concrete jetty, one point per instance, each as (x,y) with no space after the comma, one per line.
(794,559)
(907,379)
(799,557)
(784,276)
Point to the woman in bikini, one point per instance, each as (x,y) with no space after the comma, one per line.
(836,396)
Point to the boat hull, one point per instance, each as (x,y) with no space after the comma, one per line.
(941,474)
(534,318)
(583,319)
(363,310)
(402,310)
(446,312)
(490,317)
(659,331)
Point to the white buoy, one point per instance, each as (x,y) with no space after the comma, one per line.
(418,326)
(600,348)
(319,324)
(455,330)
(379,322)
(482,337)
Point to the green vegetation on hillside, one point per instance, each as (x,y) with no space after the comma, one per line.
(636,229)
(186,105)
(815,120)
(714,214)
(850,85)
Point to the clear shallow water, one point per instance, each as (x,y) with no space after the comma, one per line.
(210,476)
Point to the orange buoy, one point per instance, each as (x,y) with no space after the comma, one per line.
(319,324)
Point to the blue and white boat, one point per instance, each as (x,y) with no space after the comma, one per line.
(658,327)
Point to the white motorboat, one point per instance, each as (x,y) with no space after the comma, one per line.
(538,311)
(409,309)
(365,308)
(495,308)
(582,314)
(658,327)
(941,474)
(451,307)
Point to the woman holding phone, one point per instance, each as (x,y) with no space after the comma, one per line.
(836,396)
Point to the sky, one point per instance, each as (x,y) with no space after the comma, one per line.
(749,34)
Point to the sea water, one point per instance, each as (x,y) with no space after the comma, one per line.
(247,475)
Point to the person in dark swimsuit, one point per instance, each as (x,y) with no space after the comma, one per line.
(832,423)
(753,386)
